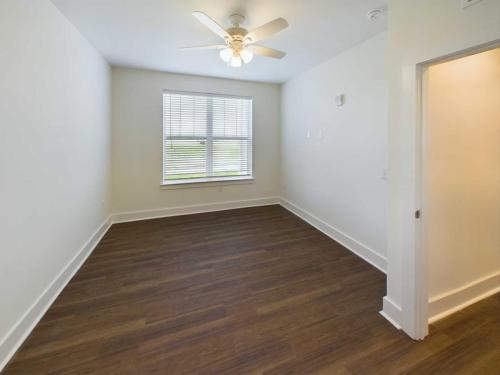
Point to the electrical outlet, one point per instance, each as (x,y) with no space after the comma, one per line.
(468,3)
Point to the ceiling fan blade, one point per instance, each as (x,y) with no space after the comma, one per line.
(211,24)
(266,51)
(267,30)
(215,46)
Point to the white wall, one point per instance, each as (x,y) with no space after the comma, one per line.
(336,174)
(462,173)
(54,151)
(418,31)
(137,141)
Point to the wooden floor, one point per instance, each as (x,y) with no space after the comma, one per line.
(253,290)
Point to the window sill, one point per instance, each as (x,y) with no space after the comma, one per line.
(206,182)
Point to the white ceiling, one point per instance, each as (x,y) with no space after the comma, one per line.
(149,33)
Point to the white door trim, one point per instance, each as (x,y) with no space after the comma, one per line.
(416,282)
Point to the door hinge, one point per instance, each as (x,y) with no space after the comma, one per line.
(417,214)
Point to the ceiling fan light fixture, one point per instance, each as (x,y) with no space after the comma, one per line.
(226,54)
(246,55)
(235,61)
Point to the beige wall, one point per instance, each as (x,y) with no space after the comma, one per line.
(55,138)
(462,171)
(137,140)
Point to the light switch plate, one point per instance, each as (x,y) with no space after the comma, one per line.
(468,3)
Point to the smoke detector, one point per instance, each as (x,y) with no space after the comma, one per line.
(375,14)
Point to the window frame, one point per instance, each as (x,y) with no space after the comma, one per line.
(209,138)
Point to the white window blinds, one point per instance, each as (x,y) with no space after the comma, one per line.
(206,137)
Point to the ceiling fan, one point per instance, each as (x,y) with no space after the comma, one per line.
(239,44)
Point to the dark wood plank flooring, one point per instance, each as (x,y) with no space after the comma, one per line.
(254,290)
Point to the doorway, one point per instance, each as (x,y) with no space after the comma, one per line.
(460,181)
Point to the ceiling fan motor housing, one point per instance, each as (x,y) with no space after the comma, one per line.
(237,37)
(236,32)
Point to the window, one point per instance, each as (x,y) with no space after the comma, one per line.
(206,137)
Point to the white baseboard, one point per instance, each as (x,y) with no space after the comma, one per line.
(11,342)
(392,312)
(348,242)
(194,209)
(458,299)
